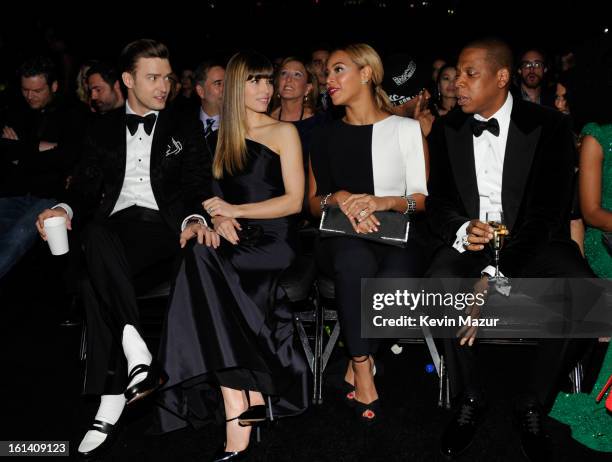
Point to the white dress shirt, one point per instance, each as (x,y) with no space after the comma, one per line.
(489,153)
(136,189)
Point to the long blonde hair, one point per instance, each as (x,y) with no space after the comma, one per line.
(363,55)
(230,154)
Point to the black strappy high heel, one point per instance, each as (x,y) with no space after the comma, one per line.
(230,456)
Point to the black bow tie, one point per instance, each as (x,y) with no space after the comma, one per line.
(479,126)
(134,120)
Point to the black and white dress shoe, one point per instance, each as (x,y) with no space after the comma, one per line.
(154,379)
(535,442)
(111,431)
(459,433)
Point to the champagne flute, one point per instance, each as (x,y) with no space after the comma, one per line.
(496,221)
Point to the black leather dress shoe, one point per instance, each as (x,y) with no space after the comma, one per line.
(233,456)
(535,442)
(459,433)
(110,431)
(154,379)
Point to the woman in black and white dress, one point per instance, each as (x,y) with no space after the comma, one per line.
(367,162)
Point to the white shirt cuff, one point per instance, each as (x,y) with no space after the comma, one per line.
(184,224)
(66,207)
(461,232)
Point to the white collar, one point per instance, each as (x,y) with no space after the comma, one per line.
(129,110)
(503,113)
(205,116)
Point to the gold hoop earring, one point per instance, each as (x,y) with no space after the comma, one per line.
(365,82)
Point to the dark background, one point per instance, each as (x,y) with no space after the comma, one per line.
(194,30)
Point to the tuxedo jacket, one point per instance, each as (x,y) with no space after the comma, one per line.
(537,180)
(180,167)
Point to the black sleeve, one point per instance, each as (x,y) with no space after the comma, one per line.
(196,175)
(84,192)
(548,198)
(319,158)
(444,210)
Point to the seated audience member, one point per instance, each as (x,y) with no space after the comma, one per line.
(370,161)
(532,85)
(297,90)
(144,173)
(495,137)
(239,347)
(589,422)
(445,98)
(36,147)
(104,88)
(209,78)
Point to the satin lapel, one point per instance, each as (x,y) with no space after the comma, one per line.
(158,146)
(520,150)
(121,150)
(461,155)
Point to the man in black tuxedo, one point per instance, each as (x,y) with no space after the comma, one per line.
(144,175)
(501,153)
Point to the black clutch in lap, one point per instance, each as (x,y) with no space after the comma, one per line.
(250,235)
(393,229)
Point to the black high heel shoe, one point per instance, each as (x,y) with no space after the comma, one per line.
(256,414)
(154,379)
(234,456)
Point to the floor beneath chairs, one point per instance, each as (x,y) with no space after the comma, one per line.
(42,378)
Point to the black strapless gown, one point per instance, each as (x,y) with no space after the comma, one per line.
(226,323)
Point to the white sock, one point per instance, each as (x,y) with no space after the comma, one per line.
(136,351)
(111,407)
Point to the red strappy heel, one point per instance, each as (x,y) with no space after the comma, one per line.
(603,391)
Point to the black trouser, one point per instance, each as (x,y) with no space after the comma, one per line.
(347,260)
(128,253)
(553,356)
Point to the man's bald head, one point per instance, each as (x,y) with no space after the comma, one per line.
(499,54)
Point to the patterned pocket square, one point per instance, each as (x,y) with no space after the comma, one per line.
(174,149)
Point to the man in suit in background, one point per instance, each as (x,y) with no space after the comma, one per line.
(104,88)
(143,177)
(501,153)
(36,153)
(209,77)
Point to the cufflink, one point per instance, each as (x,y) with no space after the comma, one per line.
(464,241)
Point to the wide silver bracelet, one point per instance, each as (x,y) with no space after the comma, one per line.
(410,205)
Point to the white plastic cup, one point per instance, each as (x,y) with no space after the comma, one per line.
(57,235)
